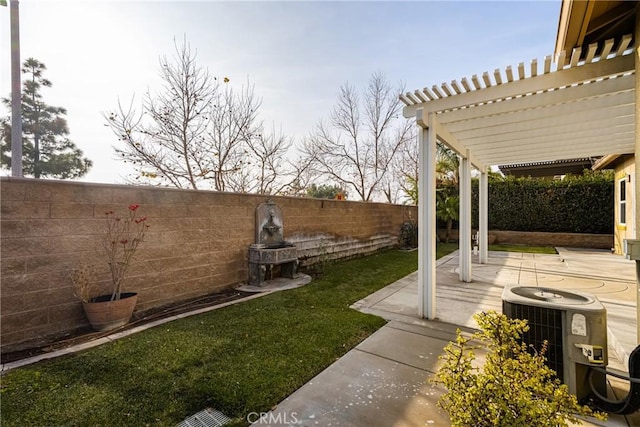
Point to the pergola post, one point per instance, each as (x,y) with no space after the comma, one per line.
(465,219)
(427,216)
(483,216)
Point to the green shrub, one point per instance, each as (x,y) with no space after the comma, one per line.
(513,388)
(576,204)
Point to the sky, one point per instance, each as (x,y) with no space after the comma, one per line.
(296,54)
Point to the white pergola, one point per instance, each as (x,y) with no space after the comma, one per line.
(560,108)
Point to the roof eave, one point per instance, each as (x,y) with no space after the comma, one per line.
(572,24)
(605,161)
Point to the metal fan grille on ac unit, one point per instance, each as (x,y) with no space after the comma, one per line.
(544,324)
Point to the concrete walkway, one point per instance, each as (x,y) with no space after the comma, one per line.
(384,380)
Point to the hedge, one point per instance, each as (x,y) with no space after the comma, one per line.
(576,204)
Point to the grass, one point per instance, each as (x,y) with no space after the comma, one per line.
(524,248)
(239,359)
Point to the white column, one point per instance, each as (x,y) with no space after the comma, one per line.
(427,216)
(465,218)
(483,216)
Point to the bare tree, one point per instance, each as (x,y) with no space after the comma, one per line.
(404,169)
(193,132)
(300,176)
(356,146)
(267,169)
(264,159)
(233,127)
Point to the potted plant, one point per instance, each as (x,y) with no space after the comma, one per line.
(119,243)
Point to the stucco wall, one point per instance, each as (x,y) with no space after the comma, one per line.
(197,244)
(624,170)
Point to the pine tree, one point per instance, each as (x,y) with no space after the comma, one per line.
(47,151)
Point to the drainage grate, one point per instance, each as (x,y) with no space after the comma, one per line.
(206,418)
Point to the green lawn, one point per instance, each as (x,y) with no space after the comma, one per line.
(524,248)
(240,359)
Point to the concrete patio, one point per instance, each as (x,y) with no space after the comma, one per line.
(384,380)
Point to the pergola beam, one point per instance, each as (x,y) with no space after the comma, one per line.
(566,77)
(544,105)
(536,130)
(550,145)
(554,116)
(541,154)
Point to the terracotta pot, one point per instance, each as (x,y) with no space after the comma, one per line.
(105,315)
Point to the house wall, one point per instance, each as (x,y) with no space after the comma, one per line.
(197,244)
(624,170)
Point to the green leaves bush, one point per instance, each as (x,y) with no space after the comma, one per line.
(514,387)
(577,204)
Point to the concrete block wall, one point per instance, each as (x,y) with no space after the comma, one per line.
(571,240)
(537,238)
(197,244)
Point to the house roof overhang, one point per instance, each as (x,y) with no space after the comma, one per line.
(549,168)
(585,22)
(605,161)
(609,161)
(543,111)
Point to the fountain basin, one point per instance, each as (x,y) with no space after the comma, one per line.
(263,254)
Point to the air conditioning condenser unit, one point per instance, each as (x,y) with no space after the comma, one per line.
(575,326)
